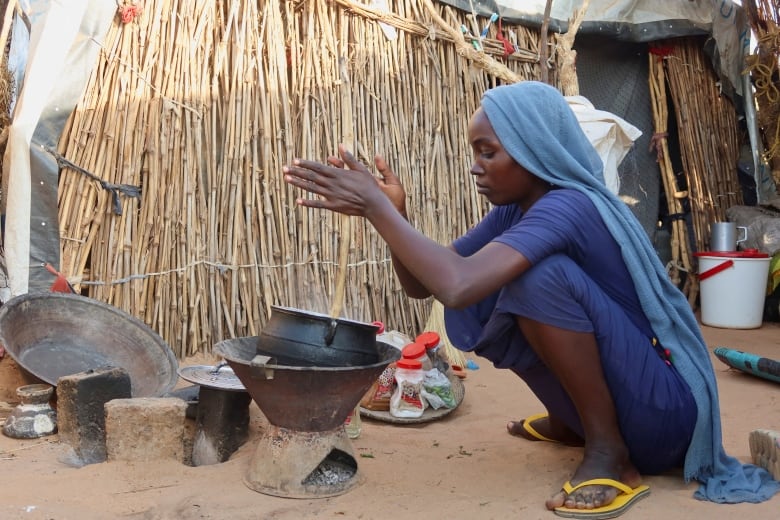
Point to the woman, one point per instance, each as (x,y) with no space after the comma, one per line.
(559,283)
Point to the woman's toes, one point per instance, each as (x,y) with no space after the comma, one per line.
(514,427)
(590,497)
(557,500)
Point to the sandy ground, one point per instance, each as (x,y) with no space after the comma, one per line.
(464,466)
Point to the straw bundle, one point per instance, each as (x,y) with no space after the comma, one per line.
(682,259)
(707,126)
(200,104)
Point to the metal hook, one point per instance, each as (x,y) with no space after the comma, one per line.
(331,332)
(219,366)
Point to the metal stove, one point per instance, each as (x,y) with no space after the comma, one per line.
(305,451)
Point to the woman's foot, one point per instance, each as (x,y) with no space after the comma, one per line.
(542,427)
(597,464)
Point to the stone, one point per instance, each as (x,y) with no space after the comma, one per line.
(145,429)
(81,400)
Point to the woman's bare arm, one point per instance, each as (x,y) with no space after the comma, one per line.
(419,261)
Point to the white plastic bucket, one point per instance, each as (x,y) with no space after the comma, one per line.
(733,288)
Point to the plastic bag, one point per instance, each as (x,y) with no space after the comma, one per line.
(437,390)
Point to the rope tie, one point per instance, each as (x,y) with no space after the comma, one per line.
(114,189)
(662,51)
(129,12)
(656,143)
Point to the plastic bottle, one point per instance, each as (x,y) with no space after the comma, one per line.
(417,351)
(353,424)
(378,395)
(407,400)
(394,338)
(371,400)
(432,342)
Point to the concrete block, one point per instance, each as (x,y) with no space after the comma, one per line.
(145,429)
(80,409)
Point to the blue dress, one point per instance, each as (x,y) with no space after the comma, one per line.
(578,281)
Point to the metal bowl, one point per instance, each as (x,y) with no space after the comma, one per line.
(51,335)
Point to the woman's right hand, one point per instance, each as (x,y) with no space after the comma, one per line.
(391,184)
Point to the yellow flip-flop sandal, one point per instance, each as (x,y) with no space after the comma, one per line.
(526,425)
(628,497)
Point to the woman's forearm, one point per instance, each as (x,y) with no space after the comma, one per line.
(411,285)
(417,258)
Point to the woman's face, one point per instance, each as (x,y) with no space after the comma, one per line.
(496,174)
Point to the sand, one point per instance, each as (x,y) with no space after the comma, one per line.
(463,466)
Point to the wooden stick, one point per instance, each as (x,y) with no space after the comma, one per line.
(348,138)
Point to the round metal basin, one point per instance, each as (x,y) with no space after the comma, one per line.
(51,335)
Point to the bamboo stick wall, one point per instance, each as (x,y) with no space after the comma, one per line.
(202,103)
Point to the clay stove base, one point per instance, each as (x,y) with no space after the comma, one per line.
(296,464)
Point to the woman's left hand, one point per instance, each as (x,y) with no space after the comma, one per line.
(352,190)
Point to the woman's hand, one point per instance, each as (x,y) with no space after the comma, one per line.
(353,190)
(391,184)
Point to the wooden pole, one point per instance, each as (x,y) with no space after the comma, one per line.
(544,74)
(348,138)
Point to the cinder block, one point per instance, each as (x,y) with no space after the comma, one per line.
(80,409)
(145,429)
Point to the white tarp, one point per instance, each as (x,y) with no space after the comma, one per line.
(64,38)
(610,135)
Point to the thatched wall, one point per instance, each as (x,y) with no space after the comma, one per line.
(202,103)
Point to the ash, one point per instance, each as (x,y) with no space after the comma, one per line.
(329,473)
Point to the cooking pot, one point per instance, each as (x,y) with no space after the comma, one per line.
(305,338)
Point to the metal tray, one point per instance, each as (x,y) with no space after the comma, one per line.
(458,389)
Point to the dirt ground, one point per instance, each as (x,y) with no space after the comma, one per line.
(464,466)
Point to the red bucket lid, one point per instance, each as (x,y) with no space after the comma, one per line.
(747,253)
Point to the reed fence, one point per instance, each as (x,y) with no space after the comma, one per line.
(200,104)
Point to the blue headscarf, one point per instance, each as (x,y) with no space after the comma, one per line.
(538,129)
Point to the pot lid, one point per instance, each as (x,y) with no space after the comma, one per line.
(220,377)
(747,253)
